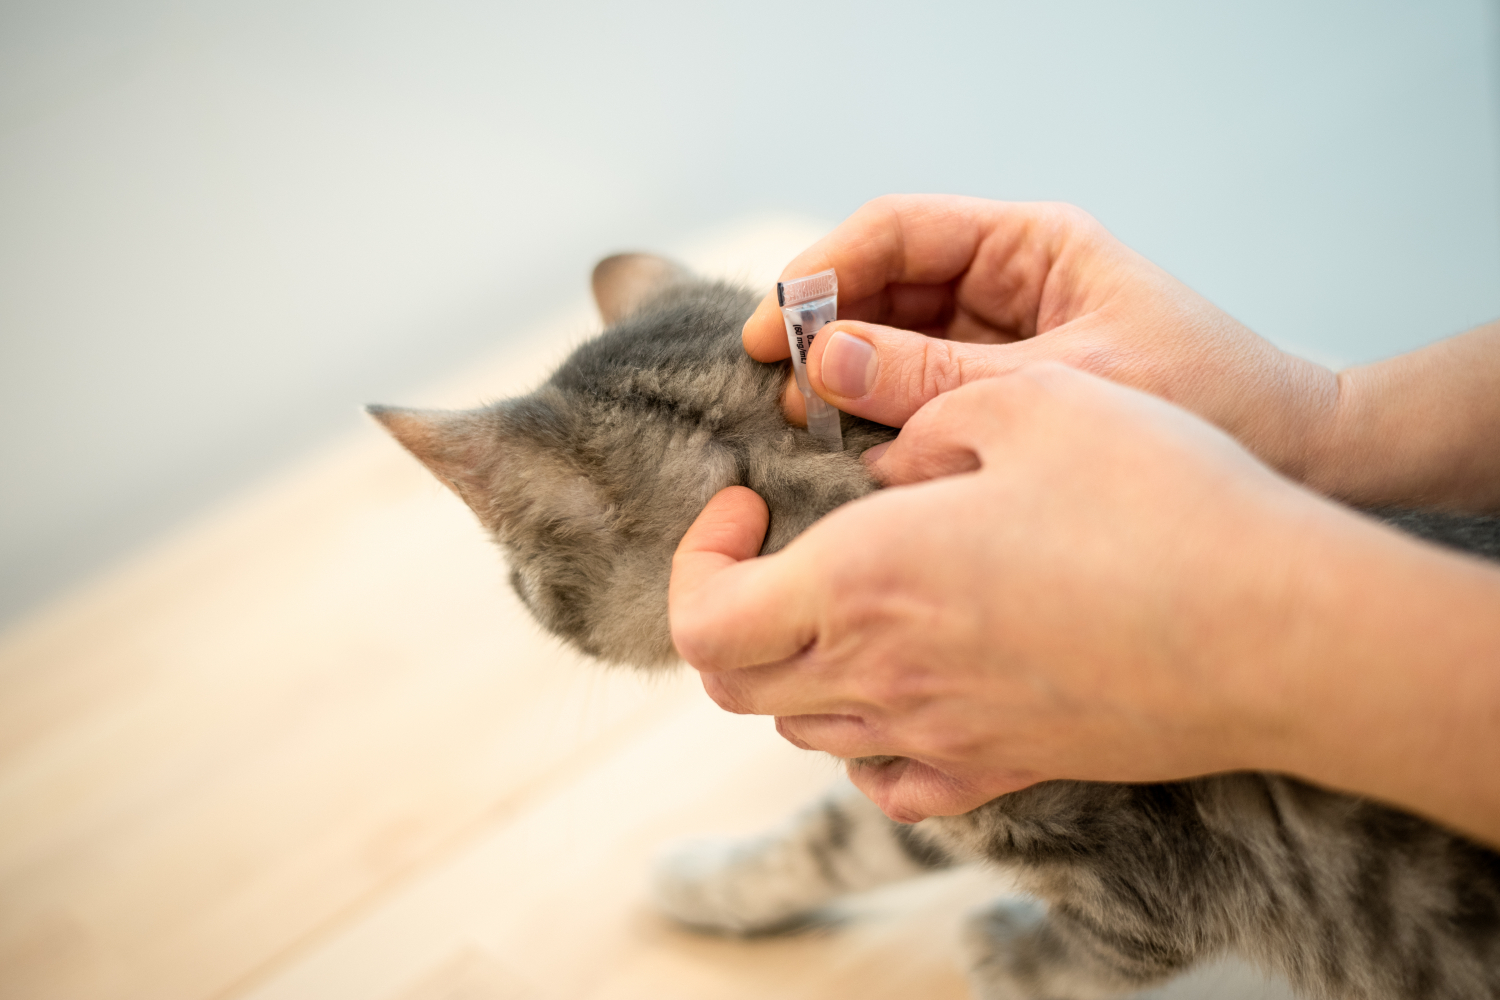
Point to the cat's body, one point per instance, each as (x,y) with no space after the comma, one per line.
(1344,897)
(589,483)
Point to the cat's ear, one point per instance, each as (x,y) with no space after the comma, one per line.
(624,282)
(462,448)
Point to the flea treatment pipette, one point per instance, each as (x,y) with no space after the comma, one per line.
(807,305)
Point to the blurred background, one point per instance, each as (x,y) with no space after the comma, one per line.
(291,738)
(226,225)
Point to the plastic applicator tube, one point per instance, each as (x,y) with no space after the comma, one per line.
(807,305)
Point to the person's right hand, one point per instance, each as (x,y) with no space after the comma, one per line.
(938,291)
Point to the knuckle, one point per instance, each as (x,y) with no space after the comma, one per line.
(882,214)
(893,684)
(1070,216)
(1095,358)
(883,204)
(789,729)
(934,372)
(725,695)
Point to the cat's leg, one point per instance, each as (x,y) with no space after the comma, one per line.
(1018,950)
(840,844)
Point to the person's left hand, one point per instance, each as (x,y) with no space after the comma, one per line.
(1043,592)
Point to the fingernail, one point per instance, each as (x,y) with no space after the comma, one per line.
(872,455)
(849,366)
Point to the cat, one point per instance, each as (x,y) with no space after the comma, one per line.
(588,483)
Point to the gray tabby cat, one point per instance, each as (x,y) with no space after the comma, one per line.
(589,482)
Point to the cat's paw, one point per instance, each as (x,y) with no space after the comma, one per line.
(723,886)
(840,844)
(991,944)
(1018,950)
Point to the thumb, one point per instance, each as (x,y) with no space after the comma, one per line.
(885,374)
(721,598)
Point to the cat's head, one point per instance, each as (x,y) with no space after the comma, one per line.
(588,536)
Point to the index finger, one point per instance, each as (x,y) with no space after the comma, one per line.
(727,607)
(895,255)
(871,250)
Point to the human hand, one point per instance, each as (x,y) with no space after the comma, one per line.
(1043,593)
(939,291)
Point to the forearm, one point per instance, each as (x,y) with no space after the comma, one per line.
(1418,430)
(1385,680)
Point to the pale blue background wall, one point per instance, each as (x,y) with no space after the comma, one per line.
(224,225)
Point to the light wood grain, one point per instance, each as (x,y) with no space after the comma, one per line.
(243,737)
(311,747)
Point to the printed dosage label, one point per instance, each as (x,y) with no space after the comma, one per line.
(804,343)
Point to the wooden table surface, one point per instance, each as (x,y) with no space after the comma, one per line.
(311,747)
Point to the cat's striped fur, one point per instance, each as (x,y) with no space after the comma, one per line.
(588,484)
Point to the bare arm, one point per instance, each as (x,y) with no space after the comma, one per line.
(1069,579)
(1076,580)
(1420,429)
(1385,679)
(946,291)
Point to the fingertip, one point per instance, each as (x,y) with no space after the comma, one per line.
(726,608)
(909,791)
(881,783)
(732,524)
(793,405)
(784,729)
(763,335)
(723,690)
(727,532)
(739,498)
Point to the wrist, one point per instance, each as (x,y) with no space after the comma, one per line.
(1336,463)
(1258,623)
(1382,675)
(1416,430)
(1300,441)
